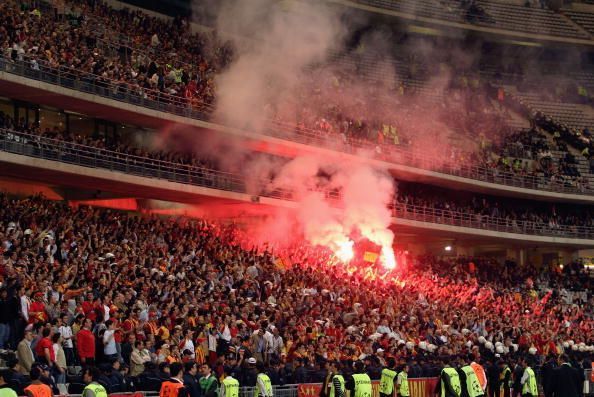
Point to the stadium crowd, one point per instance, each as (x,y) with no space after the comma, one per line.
(490,208)
(140,54)
(135,294)
(69,40)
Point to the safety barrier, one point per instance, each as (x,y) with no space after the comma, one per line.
(200,110)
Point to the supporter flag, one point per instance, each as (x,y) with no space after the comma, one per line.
(370,257)
(282,263)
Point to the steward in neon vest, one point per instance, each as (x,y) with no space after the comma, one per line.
(471,387)
(359,383)
(449,382)
(529,386)
(5,390)
(263,384)
(505,380)
(229,385)
(93,389)
(388,378)
(335,381)
(402,382)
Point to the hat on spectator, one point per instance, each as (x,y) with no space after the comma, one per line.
(251,360)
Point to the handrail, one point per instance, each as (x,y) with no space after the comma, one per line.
(485,222)
(128,93)
(88,156)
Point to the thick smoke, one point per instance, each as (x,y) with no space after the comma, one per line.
(275,43)
(273,74)
(338,203)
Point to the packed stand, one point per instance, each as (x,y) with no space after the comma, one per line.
(49,38)
(493,209)
(134,295)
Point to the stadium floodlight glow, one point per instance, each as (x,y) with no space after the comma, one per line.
(448,248)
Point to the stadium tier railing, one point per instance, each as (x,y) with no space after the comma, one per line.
(196,109)
(498,224)
(72,153)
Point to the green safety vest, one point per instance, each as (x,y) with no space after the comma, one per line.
(454,381)
(341,380)
(530,386)
(362,385)
(7,392)
(231,387)
(387,381)
(206,383)
(267,385)
(403,381)
(472,383)
(97,389)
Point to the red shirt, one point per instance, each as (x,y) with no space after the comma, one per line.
(85,342)
(88,310)
(43,344)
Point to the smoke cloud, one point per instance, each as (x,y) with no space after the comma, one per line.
(275,42)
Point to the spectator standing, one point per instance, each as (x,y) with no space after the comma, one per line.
(139,357)
(85,342)
(548,376)
(25,354)
(190,381)
(567,382)
(7,312)
(109,345)
(59,369)
(66,332)
(44,349)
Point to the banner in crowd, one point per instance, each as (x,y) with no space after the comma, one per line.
(422,387)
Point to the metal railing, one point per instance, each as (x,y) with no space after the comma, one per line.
(87,156)
(484,222)
(195,109)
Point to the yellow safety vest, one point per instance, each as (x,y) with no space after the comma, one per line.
(387,381)
(341,380)
(403,381)
(530,386)
(231,387)
(454,381)
(502,376)
(267,385)
(472,383)
(7,392)
(362,385)
(97,389)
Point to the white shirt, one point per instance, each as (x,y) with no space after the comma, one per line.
(66,333)
(109,345)
(25,303)
(189,345)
